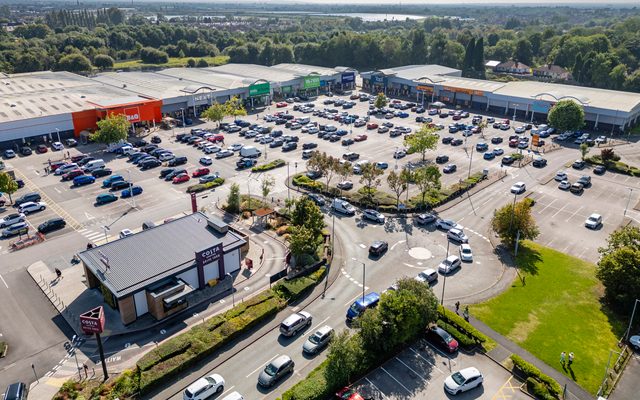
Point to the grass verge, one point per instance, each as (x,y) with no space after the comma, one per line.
(556,308)
(173,62)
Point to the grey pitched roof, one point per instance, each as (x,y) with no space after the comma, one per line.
(147,257)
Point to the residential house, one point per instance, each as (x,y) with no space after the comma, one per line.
(513,67)
(552,72)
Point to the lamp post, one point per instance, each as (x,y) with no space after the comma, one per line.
(444,283)
(58,132)
(184,125)
(628,201)
(513,211)
(133,198)
(396,158)
(633,313)
(69,348)
(233,294)
(364,268)
(33,367)
(288,189)
(515,108)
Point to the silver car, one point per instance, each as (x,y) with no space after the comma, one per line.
(318,340)
(276,370)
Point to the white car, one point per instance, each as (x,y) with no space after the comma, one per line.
(399,154)
(520,129)
(447,224)
(463,380)
(428,275)
(345,185)
(457,235)
(594,221)
(30,206)
(373,215)
(166,156)
(11,219)
(222,154)
(601,139)
(125,232)
(561,176)
(204,388)
(66,168)
(206,160)
(212,149)
(236,147)
(57,146)
(449,264)
(518,187)
(466,254)
(564,185)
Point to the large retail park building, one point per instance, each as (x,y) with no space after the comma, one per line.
(38,107)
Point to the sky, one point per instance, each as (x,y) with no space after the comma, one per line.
(421,2)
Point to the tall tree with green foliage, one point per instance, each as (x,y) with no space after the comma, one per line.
(619,268)
(422,140)
(267,183)
(112,129)
(478,58)
(426,178)
(74,63)
(467,63)
(584,150)
(306,213)
(344,358)
(233,200)
(8,185)
(398,184)
(509,220)
(301,242)
(566,115)
(215,113)
(234,107)
(103,61)
(370,178)
(381,101)
(524,53)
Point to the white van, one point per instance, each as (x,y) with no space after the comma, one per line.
(233,396)
(250,152)
(94,165)
(343,206)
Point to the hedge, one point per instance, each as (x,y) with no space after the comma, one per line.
(459,323)
(307,183)
(538,389)
(615,166)
(313,386)
(270,165)
(199,187)
(463,339)
(294,288)
(531,371)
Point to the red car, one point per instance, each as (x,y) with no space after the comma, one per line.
(281,104)
(42,148)
(181,178)
(372,125)
(360,138)
(200,172)
(216,138)
(349,394)
(56,164)
(72,174)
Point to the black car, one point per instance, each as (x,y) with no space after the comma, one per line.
(507,160)
(27,197)
(177,161)
(51,225)
(26,151)
(316,198)
(441,159)
(447,140)
(456,142)
(149,147)
(156,139)
(85,160)
(119,185)
(442,339)
(99,173)
(347,142)
(174,173)
(180,136)
(378,247)
(496,140)
(141,143)
(579,164)
(599,170)
(150,164)
(166,171)
(289,146)
(539,162)
(308,146)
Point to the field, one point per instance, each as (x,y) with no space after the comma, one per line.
(173,62)
(556,309)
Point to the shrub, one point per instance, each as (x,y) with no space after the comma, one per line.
(538,389)
(529,202)
(295,287)
(318,275)
(530,370)
(169,349)
(204,186)
(283,229)
(268,166)
(463,339)
(314,387)
(307,183)
(457,321)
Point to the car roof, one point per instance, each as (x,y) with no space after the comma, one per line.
(429,271)
(452,257)
(594,215)
(469,372)
(465,246)
(278,362)
(323,330)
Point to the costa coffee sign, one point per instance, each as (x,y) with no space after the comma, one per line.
(207,256)
(132,114)
(92,321)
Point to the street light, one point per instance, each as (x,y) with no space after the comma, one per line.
(633,313)
(58,132)
(364,268)
(444,283)
(515,108)
(628,201)
(396,158)
(233,293)
(133,199)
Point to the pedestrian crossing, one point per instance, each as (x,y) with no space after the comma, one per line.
(75,359)
(97,237)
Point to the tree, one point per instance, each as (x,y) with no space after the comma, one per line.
(584,150)
(344,170)
(191,63)
(478,58)
(306,213)
(617,76)
(398,184)
(215,113)
(74,63)
(233,201)
(103,61)
(507,221)
(632,83)
(202,63)
(370,178)
(234,107)
(426,178)
(149,55)
(524,53)
(467,63)
(301,242)
(607,155)
(566,115)
(424,139)
(619,272)
(628,236)
(344,358)
(112,129)
(381,101)
(266,185)
(8,185)
(325,164)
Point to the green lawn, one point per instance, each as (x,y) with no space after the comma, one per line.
(173,62)
(557,309)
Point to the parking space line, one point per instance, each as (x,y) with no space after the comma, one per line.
(429,362)
(320,323)
(413,370)
(547,206)
(376,388)
(352,300)
(261,366)
(397,381)
(5,282)
(574,213)
(558,212)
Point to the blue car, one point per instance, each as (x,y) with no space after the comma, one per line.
(403,114)
(110,180)
(341,132)
(489,156)
(83,180)
(362,304)
(136,190)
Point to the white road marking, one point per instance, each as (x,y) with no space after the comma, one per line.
(259,368)
(413,370)
(228,390)
(5,282)
(376,388)
(319,323)
(574,213)
(397,243)
(364,246)
(89,216)
(57,190)
(352,300)
(557,212)
(547,206)
(397,381)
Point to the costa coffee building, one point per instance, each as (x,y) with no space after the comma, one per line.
(160,271)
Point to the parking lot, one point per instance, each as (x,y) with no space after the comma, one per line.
(419,371)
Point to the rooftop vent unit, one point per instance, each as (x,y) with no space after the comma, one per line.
(217,224)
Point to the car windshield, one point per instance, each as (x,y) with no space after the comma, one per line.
(458,378)
(466,251)
(446,262)
(315,338)
(356,308)
(211,380)
(271,370)
(593,219)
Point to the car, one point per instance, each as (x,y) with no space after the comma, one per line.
(482,146)
(599,170)
(442,158)
(83,180)
(449,264)
(308,146)
(316,198)
(211,149)
(456,142)
(463,380)
(200,172)
(104,198)
(360,138)
(131,191)
(520,129)
(428,275)
(498,151)
(236,147)
(12,219)
(372,125)
(496,140)
(204,388)
(71,142)
(578,164)
(125,232)
(442,339)
(342,206)
(206,160)
(594,221)
(221,154)
(399,154)
(424,219)
(289,146)
(345,185)
(489,156)
(74,173)
(382,165)
(457,235)
(585,181)
(539,162)
(295,323)
(25,151)
(373,215)
(32,196)
(41,148)
(148,164)
(518,188)
(166,156)
(601,139)
(180,160)
(276,370)
(378,248)
(19,228)
(30,206)
(119,185)
(111,180)
(466,254)
(507,160)
(181,178)
(51,225)
(57,146)
(576,188)
(564,185)
(447,224)
(449,168)
(99,173)
(318,340)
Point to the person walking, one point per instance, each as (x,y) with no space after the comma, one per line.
(458,307)
(465,314)
(570,359)
(58,274)
(562,357)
